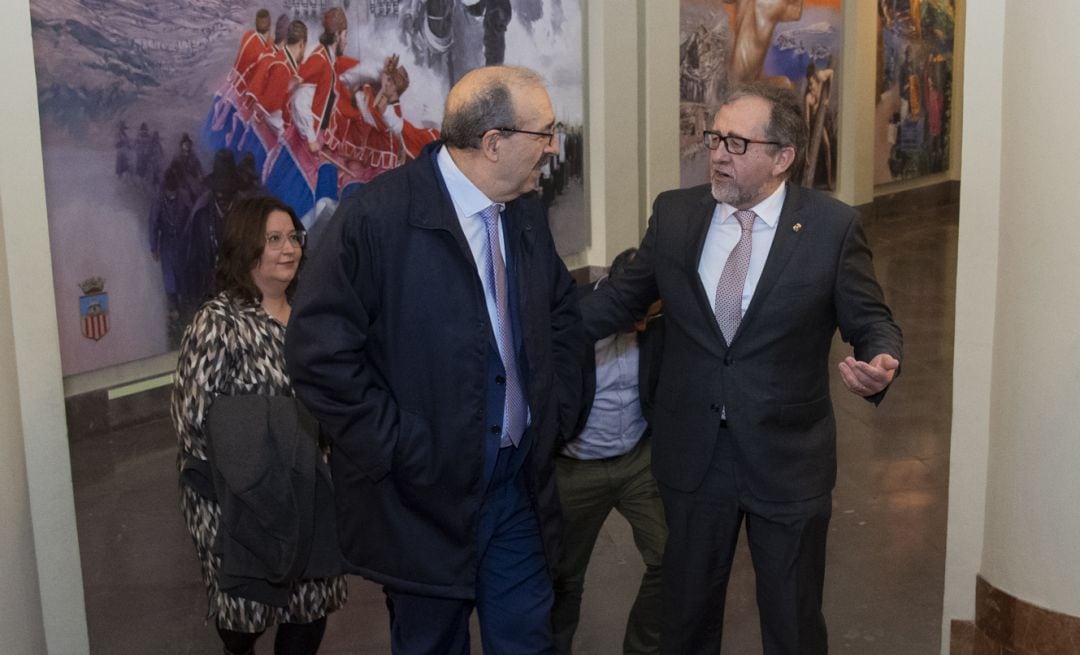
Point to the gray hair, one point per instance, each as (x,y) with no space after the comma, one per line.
(490,105)
(786,125)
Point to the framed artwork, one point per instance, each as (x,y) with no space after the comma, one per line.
(791,43)
(914,88)
(157,115)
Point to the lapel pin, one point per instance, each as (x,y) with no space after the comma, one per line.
(796,227)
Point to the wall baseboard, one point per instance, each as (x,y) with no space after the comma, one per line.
(1005,624)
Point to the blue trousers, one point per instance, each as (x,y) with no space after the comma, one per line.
(513,587)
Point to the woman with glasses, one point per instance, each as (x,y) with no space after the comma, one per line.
(233,347)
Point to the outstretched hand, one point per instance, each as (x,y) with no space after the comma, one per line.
(868,378)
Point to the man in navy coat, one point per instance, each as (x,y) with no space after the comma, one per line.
(436,337)
(756,275)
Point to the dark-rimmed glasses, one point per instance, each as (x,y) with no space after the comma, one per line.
(550,135)
(735,145)
(276,240)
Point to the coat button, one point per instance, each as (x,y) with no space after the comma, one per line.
(500,379)
(728,360)
(496,429)
(715,407)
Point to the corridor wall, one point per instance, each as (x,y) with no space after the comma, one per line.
(41,600)
(1012,563)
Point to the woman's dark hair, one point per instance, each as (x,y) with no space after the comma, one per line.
(242,244)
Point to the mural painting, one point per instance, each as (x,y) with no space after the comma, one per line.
(914,88)
(791,43)
(156,115)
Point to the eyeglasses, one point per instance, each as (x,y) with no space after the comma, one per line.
(736,145)
(276,240)
(550,135)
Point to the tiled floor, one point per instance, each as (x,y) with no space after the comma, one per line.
(887,537)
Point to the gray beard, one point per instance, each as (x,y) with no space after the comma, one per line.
(730,194)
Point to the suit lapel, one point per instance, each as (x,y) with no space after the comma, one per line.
(697,231)
(520,236)
(784,242)
(435,211)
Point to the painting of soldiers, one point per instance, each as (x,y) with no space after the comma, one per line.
(308,107)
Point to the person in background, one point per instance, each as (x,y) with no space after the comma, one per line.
(234,346)
(606,466)
(187,166)
(169,215)
(205,231)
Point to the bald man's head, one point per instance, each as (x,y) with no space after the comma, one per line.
(483,99)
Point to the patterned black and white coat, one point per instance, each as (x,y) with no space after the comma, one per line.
(234,347)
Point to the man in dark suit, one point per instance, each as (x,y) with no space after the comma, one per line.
(432,334)
(756,274)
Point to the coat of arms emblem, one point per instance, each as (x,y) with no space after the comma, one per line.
(94,308)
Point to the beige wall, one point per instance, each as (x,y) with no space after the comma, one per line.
(1013,481)
(20,601)
(633,119)
(1032,542)
(41,600)
(976,306)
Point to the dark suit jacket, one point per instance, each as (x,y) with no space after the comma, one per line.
(773,378)
(389,346)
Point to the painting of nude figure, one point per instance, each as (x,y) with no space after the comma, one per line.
(791,43)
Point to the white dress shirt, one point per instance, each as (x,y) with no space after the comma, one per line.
(469,201)
(615,423)
(724,233)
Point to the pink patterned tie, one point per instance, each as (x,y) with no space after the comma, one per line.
(729,291)
(515,411)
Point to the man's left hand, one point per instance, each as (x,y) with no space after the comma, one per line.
(868,378)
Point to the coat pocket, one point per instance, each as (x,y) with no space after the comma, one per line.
(416,452)
(802,414)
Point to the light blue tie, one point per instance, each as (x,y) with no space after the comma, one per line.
(516,407)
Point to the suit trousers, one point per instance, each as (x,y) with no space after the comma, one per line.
(588,491)
(513,586)
(787,547)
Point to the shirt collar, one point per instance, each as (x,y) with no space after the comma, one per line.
(468,199)
(768,210)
